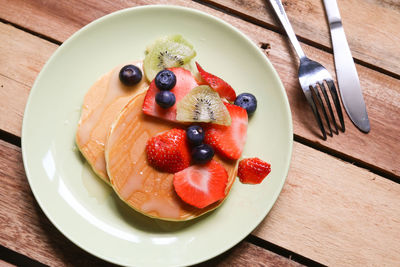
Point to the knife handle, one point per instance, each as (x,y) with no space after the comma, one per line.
(332,11)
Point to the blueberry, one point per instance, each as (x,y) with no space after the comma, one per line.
(247,101)
(195,135)
(130,75)
(165,99)
(202,153)
(165,80)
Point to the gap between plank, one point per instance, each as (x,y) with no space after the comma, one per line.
(13,139)
(281,251)
(354,161)
(16,140)
(241,16)
(15,258)
(10,138)
(22,260)
(42,36)
(278,29)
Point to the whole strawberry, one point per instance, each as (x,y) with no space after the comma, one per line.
(253,170)
(169,151)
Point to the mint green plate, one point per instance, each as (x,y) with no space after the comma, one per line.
(83,207)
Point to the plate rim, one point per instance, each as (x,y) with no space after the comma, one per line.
(75,35)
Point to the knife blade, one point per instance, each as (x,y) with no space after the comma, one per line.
(346,73)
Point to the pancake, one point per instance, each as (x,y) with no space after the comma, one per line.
(101,105)
(142,187)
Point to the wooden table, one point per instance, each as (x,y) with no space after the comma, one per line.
(341,201)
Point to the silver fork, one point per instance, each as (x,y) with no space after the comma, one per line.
(311,76)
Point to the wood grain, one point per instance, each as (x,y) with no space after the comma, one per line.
(5,264)
(22,56)
(246,254)
(335,213)
(11,112)
(342,215)
(382,92)
(308,18)
(25,229)
(332,212)
(371,26)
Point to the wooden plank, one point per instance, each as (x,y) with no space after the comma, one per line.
(22,56)
(6,264)
(11,107)
(23,61)
(25,229)
(382,93)
(336,215)
(360,18)
(246,254)
(308,19)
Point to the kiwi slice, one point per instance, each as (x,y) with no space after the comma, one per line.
(167,52)
(203,104)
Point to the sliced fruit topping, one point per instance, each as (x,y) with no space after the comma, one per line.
(177,38)
(229,140)
(253,170)
(195,135)
(165,80)
(202,153)
(184,83)
(169,151)
(202,104)
(130,75)
(216,83)
(201,185)
(247,101)
(165,99)
(167,52)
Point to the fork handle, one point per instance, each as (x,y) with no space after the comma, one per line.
(280,12)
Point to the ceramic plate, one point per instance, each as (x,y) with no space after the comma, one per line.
(83,207)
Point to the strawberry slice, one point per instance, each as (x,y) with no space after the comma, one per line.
(220,86)
(229,140)
(201,185)
(185,82)
(253,170)
(169,151)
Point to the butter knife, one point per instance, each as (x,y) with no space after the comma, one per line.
(346,73)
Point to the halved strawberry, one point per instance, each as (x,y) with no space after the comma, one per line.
(169,151)
(201,185)
(229,140)
(185,82)
(253,170)
(220,86)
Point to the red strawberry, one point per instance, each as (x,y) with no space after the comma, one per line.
(220,86)
(253,170)
(185,82)
(201,185)
(229,140)
(169,151)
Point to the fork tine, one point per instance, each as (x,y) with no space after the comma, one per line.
(315,88)
(335,98)
(310,101)
(322,86)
